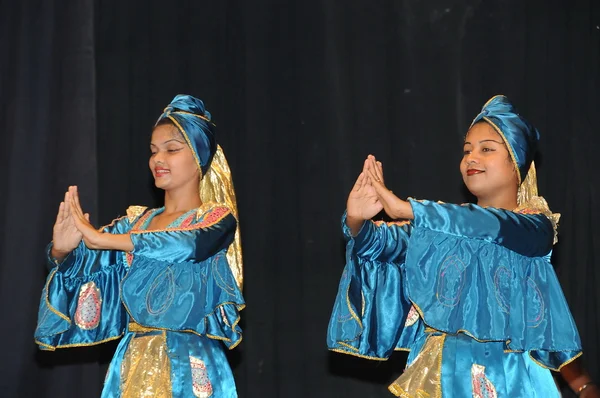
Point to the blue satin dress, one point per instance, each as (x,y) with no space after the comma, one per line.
(469,291)
(173,301)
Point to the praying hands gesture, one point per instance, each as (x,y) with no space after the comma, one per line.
(370,195)
(72,225)
(65,235)
(91,236)
(363,202)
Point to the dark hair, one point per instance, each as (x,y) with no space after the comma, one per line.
(167,122)
(163,122)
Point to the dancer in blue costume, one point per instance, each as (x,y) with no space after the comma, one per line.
(468,289)
(166,281)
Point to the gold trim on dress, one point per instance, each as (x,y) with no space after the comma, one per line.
(47,298)
(225,212)
(54,347)
(137,328)
(580,353)
(357,355)
(352,313)
(342,343)
(423,378)
(133,212)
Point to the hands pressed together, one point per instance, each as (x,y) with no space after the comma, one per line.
(370,195)
(73,225)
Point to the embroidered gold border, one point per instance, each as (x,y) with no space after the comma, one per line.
(133,212)
(352,313)
(390,223)
(47,298)
(176,229)
(507,342)
(580,353)
(463,331)
(346,345)
(53,348)
(357,355)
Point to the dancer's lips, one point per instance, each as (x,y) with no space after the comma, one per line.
(160,171)
(471,172)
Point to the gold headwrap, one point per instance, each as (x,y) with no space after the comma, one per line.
(527,198)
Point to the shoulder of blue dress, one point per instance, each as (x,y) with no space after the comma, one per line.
(134,212)
(210,214)
(538,205)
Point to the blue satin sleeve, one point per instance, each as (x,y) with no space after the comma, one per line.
(80,301)
(527,234)
(195,243)
(380,241)
(371,305)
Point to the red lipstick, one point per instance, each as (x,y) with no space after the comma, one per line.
(471,172)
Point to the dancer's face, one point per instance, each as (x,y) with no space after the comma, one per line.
(486,167)
(172,161)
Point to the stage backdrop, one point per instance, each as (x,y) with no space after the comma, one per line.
(302,92)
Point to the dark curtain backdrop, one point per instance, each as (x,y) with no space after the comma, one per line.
(302,92)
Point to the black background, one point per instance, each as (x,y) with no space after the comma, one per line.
(302,92)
